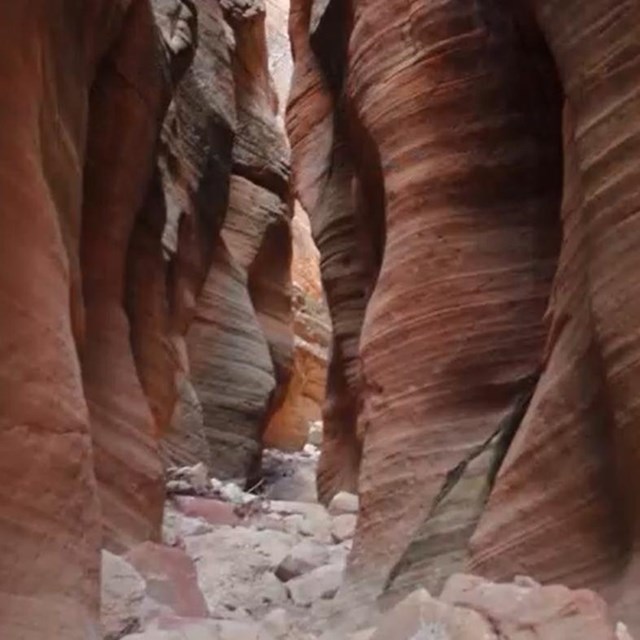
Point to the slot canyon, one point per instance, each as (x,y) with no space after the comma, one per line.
(318,320)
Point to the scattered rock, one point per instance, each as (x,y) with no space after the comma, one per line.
(290,476)
(420,617)
(277,624)
(344,502)
(235,568)
(320,583)
(525,581)
(204,630)
(340,552)
(231,492)
(190,480)
(343,527)
(215,512)
(365,634)
(548,613)
(304,557)
(304,518)
(311,450)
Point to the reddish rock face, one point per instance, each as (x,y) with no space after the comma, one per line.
(584,526)
(240,344)
(108,233)
(468,256)
(483,345)
(78,92)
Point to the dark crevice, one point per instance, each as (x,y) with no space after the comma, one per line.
(500,440)
(263,178)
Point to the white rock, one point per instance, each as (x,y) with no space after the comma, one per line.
(183,479)
(321,583)
(304,557)
(277,624)
(312,451)
(343,527)
(310,520)
(622,633)
(315,433)
(176,526)
(205,630)
(526,582)
(365,634)
(344,502)
(233,493)
(179,486)
(199,476)
(340,552)
(317,527)
(122,594)
(235,568)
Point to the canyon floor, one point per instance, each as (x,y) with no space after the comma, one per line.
(264,563)
(268,563)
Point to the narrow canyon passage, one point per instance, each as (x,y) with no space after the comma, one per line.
(318,320)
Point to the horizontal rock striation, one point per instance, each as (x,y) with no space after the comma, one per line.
(144,175)
(84,103)
(489,375)
(326,171)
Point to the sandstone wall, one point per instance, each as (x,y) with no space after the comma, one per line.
(469,171)
(125,236)
(59,154)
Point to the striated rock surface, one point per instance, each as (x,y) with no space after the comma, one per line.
(584,527)
(84,100)
(324,174)
(463,191)
(469,172)
(302,405)
(124,126)
(240,343)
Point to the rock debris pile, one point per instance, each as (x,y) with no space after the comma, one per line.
(267,563)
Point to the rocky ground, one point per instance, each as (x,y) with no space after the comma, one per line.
(266,564)
(263,563)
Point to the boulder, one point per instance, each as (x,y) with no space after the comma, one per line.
(235,568)
(315,433)
(548,612)
(321,583)
(193,479)
(203,630)
(421,616)
(343,502)
(304,557)
(343,527)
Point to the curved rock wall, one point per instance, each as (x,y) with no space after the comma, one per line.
(585,401)
(82,109)
(484,381)
(118,228)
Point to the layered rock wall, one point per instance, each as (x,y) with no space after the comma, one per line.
(84,102)
(469,173)
(118,228)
